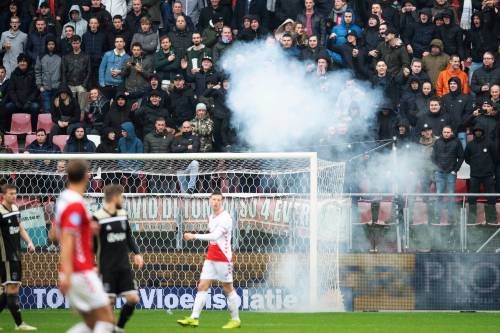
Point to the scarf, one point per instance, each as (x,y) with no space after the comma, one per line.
(465,22)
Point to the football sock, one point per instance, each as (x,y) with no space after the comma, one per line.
(13,305)
(125,314)
(233,305)
(199,303)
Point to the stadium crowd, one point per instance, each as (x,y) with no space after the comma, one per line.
(145,75)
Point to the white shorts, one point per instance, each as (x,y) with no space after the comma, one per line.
(217,270)
(86,292)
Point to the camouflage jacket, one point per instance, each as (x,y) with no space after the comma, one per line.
(204,128)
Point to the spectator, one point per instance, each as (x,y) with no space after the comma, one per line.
(453,70)
(435,117)
(420,34)
(485,117)
(42,144)
(343,54)
(48,74)
(243,8)
(187,142)
(311,52)
(98,10)
(485,76)
(459,106)
(386,119)
(13,42)
(193,9)
(149,112)
(109,142)
(159,140)
(211,34)
(440,7)
(119,29)
(53,25)
(480,154)
(37,40)
(225,41)
(95,112)
(154,84)
(216,95)
(339,32)
(22,93)
(494,92)
(75,71)
(285,28)
(299,35)
(4,150)
(426,142)
(65,112)
(195,52)
(479,39)
(393,52)
(181,101)
(118,114)
(215,9)
(451,35)
(423,100)
(153,9)
(129,143)
(78,142)
(177,10)
(15,10)
(288,48)
(409,17)
(407,108)
(448,156)
(336,15)
(313,21)
(371,33)
(116,7)
(136,72)
(167,60)
(95,44)
(65,42)
(253,32)
(436,61)
(76,21)
(200,75)
(146,37)
(132,21)
(180,36)
(386,12)
(415,72)
(110,69)
(4,89)
(203,126)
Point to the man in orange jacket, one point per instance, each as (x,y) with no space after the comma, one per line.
(453,70)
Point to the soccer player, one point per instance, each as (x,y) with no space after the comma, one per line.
(218,264)
(114,242)
(11,232)
(77,275)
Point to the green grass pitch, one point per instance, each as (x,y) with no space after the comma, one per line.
(211,321)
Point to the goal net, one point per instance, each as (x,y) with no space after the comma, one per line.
(288,224)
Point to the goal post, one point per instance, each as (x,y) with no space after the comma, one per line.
(289,197)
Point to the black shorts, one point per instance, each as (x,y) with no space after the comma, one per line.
(10,272)
(120,282)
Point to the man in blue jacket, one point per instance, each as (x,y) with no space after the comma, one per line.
(110,70)
(129,143)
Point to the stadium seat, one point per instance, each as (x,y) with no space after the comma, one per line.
(384,212)
(60,141)
(45,122)
(420,213)
(20,124)
(29,139)
(365,212)
(497,223)
(10,141)
(96,139)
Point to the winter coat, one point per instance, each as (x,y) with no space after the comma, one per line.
(76,69)
(137,81)
(420,36)
(148,41)
(131,144)
(200,80)
(479,40)
(18,41)
(102,15)
(180,143)
(36,46)
(487,123)
(22,86)
(458,105)
(117,116)
(111,60)
(452,38)
(80,26)
(65,46)
(48,71)
(124,32)
(153,9)
(286,9)
(257,8)
(181,40)
(210,36)
(193,9)
(204,128)
(46,148)
(395,56)
(181,105)
(74,145)
(218,108)
(60,110)
(483,76)
(164,68)
(342,29)
(148,114)
(447,154)
(133,22)
(317,24)
(158,143)
(480,154)
(107,146)
(208,13)
(95,112)
(309,54)
(95,44)
(446,75)
(433,65)
(371,37)
(385,125)
(436,121)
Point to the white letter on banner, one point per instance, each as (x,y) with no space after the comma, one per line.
(171,301)
(59,299)
(152,208)
(257,302)
(245,299)
(187,301)
(289,302)
(277,211)
(495,282)
(196,209)
(167,208)
(39,297)
(147,300)
(219,301)
(159,298)
(432,271)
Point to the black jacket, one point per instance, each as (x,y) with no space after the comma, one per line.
(75,69)
(447,154)
(420,36)
(482,76)
(458,105)
(180,143)
(285,9)
(452,38)
(148,114)
(318,25)
(208,13)
(95,44)
(107,146)
(257,8)
(480,154)
(117,116)
(60,110)
(22,86)
(479,40)
(436,121)
(75,145)
(181,105)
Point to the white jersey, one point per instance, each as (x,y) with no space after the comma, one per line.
(220,228)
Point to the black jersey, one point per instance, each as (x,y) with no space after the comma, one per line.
(114,241)
(10,240)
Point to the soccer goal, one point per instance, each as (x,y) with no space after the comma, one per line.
(289,224)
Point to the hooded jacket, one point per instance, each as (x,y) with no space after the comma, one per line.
(117,116)
(107,146)
(447,154)
(452,38)
(60,110)
(487,123)
(479,39)
(280,31)
(74,145)
(446,75)
(458,105)
(48,70)
(22,86)
(421,34)
(80,26)
(148,114)
(480,154)
(434,64)
(131,144)
(181,105)
(395,56)
(343,28)
(371,35)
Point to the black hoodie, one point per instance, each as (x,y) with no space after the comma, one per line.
(107,146)
(74,145)
(458,105)
(480,154)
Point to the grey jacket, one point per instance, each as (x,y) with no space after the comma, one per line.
(148,41)
(48,71)
(18,41)
(80,26)
(137,81)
